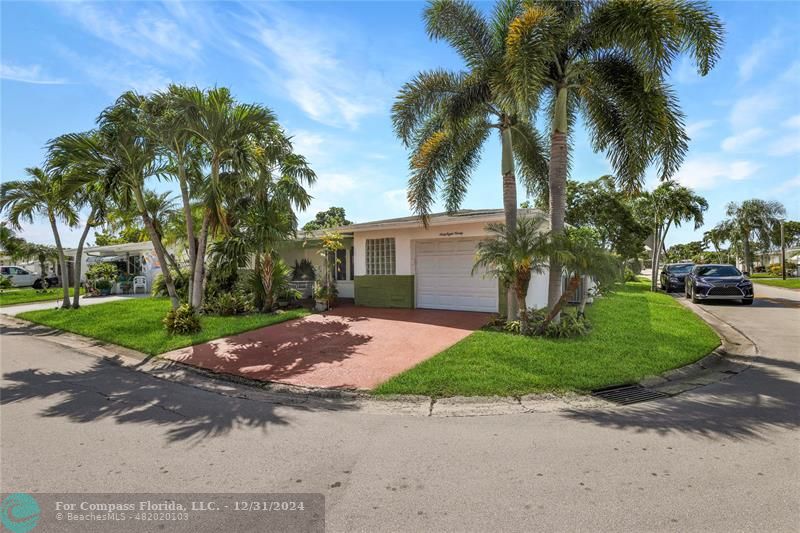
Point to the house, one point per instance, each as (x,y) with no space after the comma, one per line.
(132,259)
(401,263)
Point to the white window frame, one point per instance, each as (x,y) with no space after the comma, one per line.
(381,256)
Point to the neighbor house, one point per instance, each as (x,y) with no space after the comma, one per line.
(401,263)
(131,259)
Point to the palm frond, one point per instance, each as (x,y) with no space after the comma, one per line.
(461,25)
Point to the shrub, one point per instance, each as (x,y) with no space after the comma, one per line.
(182,320)
(228,304)
(5,283)
(303,270)
(630,275)
(181,280)
(569,326)
(102,284)
(776,270)
(102,271)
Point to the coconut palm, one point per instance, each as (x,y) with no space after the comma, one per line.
(607,61)
(446,118)
(223,129)
(512,257)
(126,155)
(669,204)
(753,220)
(42,195)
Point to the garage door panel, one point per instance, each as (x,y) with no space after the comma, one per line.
(445,281)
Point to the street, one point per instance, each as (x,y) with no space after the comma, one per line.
(724,457)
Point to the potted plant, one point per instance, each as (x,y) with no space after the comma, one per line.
(286,297)
(321,297)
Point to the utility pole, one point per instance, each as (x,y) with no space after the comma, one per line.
(783,253)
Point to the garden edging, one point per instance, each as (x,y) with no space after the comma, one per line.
(716,366)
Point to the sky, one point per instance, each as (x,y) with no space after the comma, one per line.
(330,71)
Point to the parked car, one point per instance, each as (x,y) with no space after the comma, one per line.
(673,276)
(718,282)
(21,277)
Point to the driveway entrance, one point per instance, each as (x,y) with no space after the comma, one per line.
(348,347)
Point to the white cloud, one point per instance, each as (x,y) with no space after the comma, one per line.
(758,54)
(114,77)
(743,140)
(694,129)
(792,122)
(706,171)
(749,111)
(148,34)
(396,199)
(788,185)
(312,68)
(27,74)
(787,145)
(335,184)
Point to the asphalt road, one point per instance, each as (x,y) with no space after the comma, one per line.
(724,457)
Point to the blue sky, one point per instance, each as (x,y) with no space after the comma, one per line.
(330,71)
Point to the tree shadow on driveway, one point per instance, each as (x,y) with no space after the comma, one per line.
(108,391)
(746,406)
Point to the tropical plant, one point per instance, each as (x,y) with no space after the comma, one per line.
(183,320)
(5,283)
(42,195)
(330,243)
(581,257)
(669,204)
(102,270)
(716,236)
(445,118)
(228,133)
(303,270)
(752,221)
(513,256)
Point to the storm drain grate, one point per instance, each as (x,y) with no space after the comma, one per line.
(629,394)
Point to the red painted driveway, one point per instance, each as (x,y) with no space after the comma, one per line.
(348,347)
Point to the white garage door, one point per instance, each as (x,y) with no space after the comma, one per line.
(445,281)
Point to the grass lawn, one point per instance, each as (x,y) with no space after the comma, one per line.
(27,295)
(136,323)
(635,334)
(793,283)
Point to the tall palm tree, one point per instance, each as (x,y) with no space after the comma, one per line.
(42,195)
(88,184)
(669,204)
(223,128)
(753,220)
(607,61)
(715,237)
(446,118)
(126,155)
(513,256)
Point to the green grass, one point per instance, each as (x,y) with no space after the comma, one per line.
(757,275)
(793,283)
(136,323)
(635,334)
(28,295)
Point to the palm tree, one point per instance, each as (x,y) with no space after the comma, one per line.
(512,257)
(753,220)
(88,185)
(715,237)
(667,205)
(607,61)
(263,213)
(125,154)
(223,128)
(43,195)
(445,118)
(580,255)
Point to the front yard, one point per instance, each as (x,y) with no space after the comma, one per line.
(793,283)
(635,334)
(28,295)
(136,323)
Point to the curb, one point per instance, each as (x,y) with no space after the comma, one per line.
(715,367)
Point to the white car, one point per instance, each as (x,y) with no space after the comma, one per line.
(20,277)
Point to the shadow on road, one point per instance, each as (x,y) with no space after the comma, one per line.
(762,398)
(107,391)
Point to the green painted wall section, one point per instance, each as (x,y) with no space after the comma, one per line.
(384,291)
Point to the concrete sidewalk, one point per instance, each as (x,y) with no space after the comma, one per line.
(14,310)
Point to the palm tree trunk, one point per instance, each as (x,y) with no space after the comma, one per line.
(76,295)
(654,258)
(584,298)
(267,268)
(572,286)
(661,237)
(62,261)
(200,263)
(158,246)
(190,237)
(557,178)
(521,289)
(509,203)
